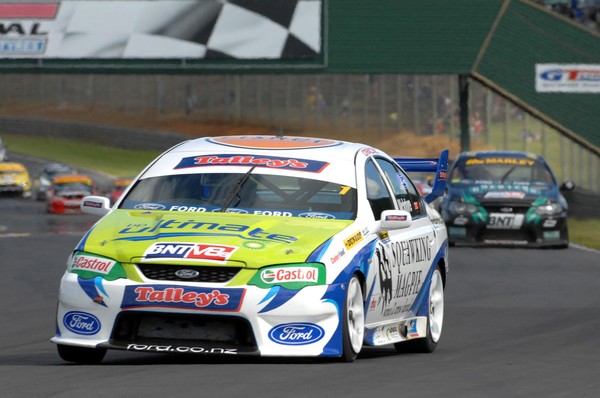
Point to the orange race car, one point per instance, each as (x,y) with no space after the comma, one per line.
(66,193)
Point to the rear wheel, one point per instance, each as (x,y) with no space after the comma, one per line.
(435,318)
(353,320)
(82,355)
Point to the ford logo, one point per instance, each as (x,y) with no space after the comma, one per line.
(149,206)
(296,333)
(187,273)
(232,211)
(81,323)
(323,216)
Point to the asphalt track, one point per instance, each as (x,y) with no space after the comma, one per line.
(518,323)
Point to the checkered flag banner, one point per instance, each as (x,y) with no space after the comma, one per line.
(196,29)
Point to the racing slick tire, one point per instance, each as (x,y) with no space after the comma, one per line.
(353,322)
(81,355)
(435,318)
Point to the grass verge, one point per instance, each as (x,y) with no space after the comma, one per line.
(585,232)
(106,159)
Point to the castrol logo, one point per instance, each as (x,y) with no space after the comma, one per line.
(94,264)
(290,274)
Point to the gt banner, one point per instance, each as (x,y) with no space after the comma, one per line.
(195,29)
(567,78)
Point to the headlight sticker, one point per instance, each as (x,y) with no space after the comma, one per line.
(89,266)
(91,263)
(290,276)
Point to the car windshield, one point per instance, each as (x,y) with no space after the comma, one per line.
(58,170)
(502,170)
(72,187)
(256,194)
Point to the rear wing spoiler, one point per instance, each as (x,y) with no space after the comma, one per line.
(437,165)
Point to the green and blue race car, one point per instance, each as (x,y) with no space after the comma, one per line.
(505,198)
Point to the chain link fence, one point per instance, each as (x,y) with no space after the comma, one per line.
(353,103)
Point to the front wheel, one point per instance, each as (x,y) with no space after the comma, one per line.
(83,355)
(435,318)
(353,320)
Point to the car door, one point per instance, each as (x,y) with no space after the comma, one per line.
(403,256)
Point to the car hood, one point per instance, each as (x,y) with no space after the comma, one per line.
(209,238)
(514,193)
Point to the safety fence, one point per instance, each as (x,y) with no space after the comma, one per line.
(380,104)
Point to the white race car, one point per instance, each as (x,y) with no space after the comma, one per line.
(260,245)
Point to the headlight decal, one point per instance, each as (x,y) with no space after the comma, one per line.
(420,306)
(532,215)
(480,214)
(290,276)
(90,266)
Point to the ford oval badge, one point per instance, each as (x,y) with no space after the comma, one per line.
(300,333)
(80,322)
(187,273)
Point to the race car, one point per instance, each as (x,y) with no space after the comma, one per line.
(3,156)
(14,180)
(273,246)
(44,178)
(66,193)
(505,198)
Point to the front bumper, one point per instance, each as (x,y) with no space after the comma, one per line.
(542,232)
(65,207)
(15,189)
(169,318)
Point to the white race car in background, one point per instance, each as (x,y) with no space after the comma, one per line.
(260,245)
(3,155)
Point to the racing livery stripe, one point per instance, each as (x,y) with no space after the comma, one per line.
(81,245)
(420,306)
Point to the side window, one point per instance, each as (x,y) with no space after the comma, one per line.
(405,193)
(377,193)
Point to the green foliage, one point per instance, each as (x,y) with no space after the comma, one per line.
(585,232)
(106,159)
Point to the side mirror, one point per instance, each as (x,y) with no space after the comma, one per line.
(395,219)
(567,186)
(96,205)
